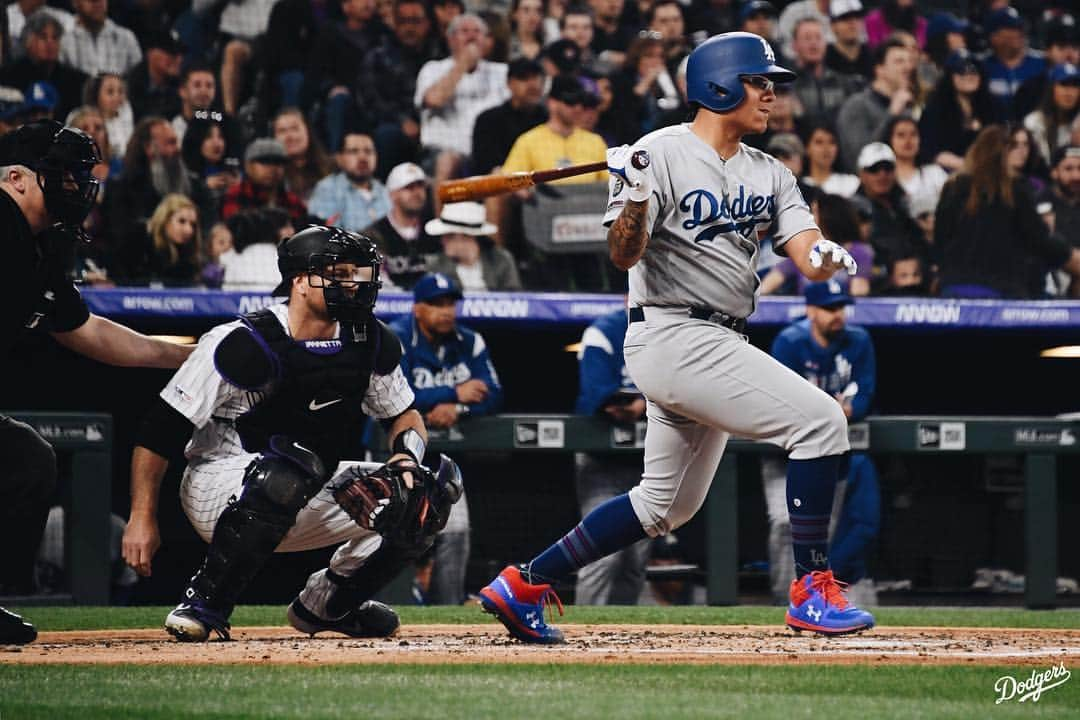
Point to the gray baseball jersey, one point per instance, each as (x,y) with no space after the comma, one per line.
(704,219)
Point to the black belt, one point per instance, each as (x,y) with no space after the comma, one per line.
(637,314)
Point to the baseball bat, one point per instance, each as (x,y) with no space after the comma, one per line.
(482,186)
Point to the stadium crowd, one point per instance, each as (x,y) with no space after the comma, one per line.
(943,151)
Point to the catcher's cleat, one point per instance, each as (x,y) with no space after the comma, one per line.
(818,605)
(519,606)
(372,619)
(14,630)
(193,622)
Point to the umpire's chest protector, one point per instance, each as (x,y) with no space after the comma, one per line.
(310,391)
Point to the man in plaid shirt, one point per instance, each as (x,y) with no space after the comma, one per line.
(264,183)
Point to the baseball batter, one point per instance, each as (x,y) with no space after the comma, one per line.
(272,403)
(687,204)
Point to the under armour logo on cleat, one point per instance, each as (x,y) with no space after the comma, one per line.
(814,613)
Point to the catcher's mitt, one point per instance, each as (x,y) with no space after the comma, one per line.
(381,502)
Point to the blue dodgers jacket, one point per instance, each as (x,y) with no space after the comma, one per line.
(434,371)
(602,371)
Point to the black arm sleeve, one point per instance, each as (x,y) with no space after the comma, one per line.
(164,430)
(388,351)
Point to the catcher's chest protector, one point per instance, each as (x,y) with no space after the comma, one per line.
(319,392)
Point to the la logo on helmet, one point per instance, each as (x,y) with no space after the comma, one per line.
(768,50)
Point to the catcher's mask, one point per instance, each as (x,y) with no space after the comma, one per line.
(63,159)
(324,254)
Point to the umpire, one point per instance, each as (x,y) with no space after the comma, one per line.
(48,190)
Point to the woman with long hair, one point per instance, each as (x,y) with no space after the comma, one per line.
(527,28)
(308,161)
(1050,124)
(822,151)
(921,182)
(644,85)
(991,241)
(108,93)
(959,107)
(208,156)
(176,241)
(1024,161)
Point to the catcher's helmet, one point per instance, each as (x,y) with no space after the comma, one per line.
(315,249)
(63,158)
(715,69)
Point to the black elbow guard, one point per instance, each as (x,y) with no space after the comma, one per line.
(164,430)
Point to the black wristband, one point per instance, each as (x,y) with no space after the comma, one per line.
(410,443)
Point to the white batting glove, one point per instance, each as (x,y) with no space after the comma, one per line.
(627,165)
(832,256)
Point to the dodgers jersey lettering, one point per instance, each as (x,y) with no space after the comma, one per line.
(704,218)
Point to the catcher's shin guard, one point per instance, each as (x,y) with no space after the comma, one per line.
(277,485)
(384,565)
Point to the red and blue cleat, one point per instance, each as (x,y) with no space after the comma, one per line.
(519,605)
(818,605)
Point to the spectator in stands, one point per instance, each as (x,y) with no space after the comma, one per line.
(210,157)
(197,91)
(167,249)
(388,82)
(154,84)
(352,197)
(264,183)
(1050,124)
(444,12)
(904,276)
(797,11)
(17,14)
(526,28)
(239,26)
(108,93)
(1024,161)
(759,17)
(41,38)
(789,150)
(839,359)
(497,128)
(1059,206)
(450,94)
(334,65)
(849,54)
(820,91)
(822,152)
(219,244)
(1010,62)
(921,182)
(562,57)
(612,32)
(41,102)
(1062,48)
(839,221)
(895,15)
(256,233)
(96,44)
(644,87)
(153,168)
(991,240)
(308,162)
(894,230)
(705,18)
(92,258)
(469,256)
(665,17)
(292,30)
(576,25)
(605,390)
(957,109)
(863,116)
(400,235)
(945,34)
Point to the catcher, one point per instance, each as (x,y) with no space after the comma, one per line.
(271,404)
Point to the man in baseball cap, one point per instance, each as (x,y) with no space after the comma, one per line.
(1059,204)
(848,54)
(1011,62)
(400,235)
(894,230)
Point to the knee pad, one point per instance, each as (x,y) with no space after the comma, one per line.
(283,479)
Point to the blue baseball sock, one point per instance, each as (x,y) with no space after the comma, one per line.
(810,488)
(607,529)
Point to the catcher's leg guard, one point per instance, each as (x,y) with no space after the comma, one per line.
(277,485)
(384,565)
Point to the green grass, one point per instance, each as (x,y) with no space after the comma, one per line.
(95,618)
(623,692)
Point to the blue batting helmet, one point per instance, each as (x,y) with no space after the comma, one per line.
(716,67)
